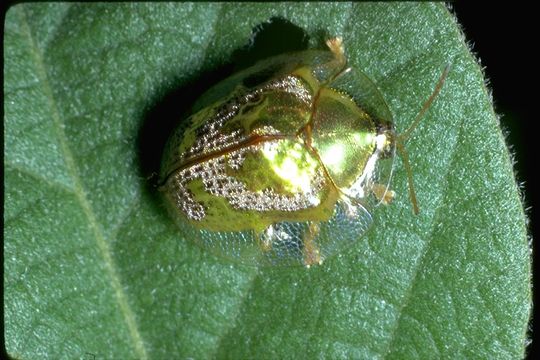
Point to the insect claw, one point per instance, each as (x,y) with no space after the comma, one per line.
(312,253)
(383,194)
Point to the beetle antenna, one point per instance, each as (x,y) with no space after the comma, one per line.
(405,157)
(403,137)
(407,133)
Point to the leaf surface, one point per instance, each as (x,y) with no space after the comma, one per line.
(94,266)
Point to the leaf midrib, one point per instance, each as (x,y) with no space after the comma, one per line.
(81,197)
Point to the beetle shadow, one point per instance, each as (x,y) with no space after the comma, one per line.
(167,111)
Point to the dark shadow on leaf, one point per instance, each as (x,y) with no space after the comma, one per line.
(274,37)
(171,106)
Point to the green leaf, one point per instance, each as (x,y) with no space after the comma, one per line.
(94,266)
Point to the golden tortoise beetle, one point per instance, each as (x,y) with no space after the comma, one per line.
(279,163)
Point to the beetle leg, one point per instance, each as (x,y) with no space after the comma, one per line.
(336,46)
(383,194)
(265,238)
(312,253)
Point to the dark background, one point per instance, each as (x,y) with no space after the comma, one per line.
(501,35)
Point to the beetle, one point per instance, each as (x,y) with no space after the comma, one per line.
(282,163)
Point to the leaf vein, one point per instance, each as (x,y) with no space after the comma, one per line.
(39,177)
(82,198)
(438,215)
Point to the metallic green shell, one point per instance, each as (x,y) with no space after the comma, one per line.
(275,149)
